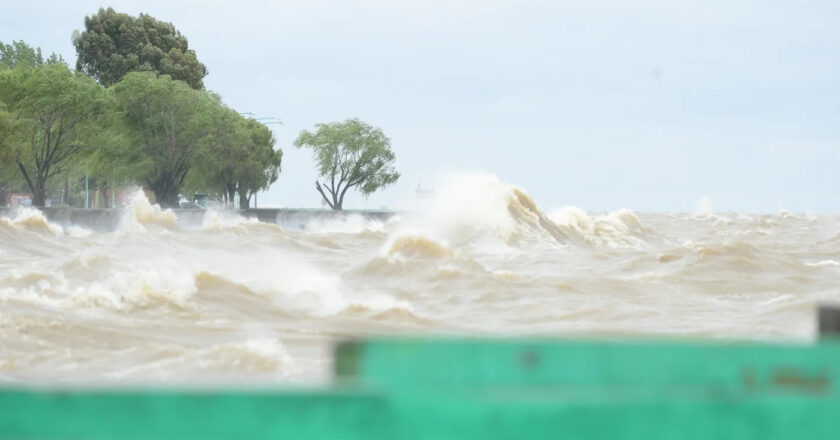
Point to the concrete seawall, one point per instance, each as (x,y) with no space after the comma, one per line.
(104,220)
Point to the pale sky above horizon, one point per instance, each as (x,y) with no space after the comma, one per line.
(645,105)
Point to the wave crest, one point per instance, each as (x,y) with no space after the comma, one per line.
(417,246)
(140,213)
(475,208)
(31,220)
(619,228)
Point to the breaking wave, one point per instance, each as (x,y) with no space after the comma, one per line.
(31,220)
(475,208)
(620,228)
(141,214)
(417,246)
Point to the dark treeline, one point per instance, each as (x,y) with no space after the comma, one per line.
(133,112)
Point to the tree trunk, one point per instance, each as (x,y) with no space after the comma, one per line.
(166,190)
(334,203)
(37,187)
(39,193)
(167,199)
(244,200)
(165,196)
(104,192)
(231,191)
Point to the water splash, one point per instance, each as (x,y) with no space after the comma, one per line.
(140,214)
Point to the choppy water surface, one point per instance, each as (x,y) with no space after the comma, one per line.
(237,300)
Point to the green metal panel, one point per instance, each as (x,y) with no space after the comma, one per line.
(468,414)
(94,415)
(500,417)
(397,364)
(459,389)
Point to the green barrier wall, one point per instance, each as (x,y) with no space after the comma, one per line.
(647,365)
(457,389)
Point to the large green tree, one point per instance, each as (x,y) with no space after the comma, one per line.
(48,115)
(261,166)
(166,122)
(15,54)
(114,44)
(216,161)
(238,157)
(349,154)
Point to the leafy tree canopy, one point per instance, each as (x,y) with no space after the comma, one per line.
(48,114)
(114,44)
(19,53)
(166,123)
(238,157)
(261,166)
(349,154)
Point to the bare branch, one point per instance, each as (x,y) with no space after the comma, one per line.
(318,187)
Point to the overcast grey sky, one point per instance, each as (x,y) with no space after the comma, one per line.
(647,105)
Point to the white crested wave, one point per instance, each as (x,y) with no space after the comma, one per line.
(480,209)
(32,220)
(140,214)
(614,229)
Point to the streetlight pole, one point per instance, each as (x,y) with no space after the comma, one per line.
(268,120)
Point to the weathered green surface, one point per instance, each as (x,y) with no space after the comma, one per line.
(189,415)
(577,365)
(480,389)
(499,415)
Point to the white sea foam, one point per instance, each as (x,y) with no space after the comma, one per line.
(140,214)
(344,224)
(823,263)
(33,220)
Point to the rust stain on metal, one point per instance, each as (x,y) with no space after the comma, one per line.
(791,377)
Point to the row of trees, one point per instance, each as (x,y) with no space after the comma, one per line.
(134,111)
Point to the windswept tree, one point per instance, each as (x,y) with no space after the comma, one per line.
(114,44)
(349,154)
(261,166)
(49,114)
(165,122)
(21,55)
(238,157)
(216,161)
